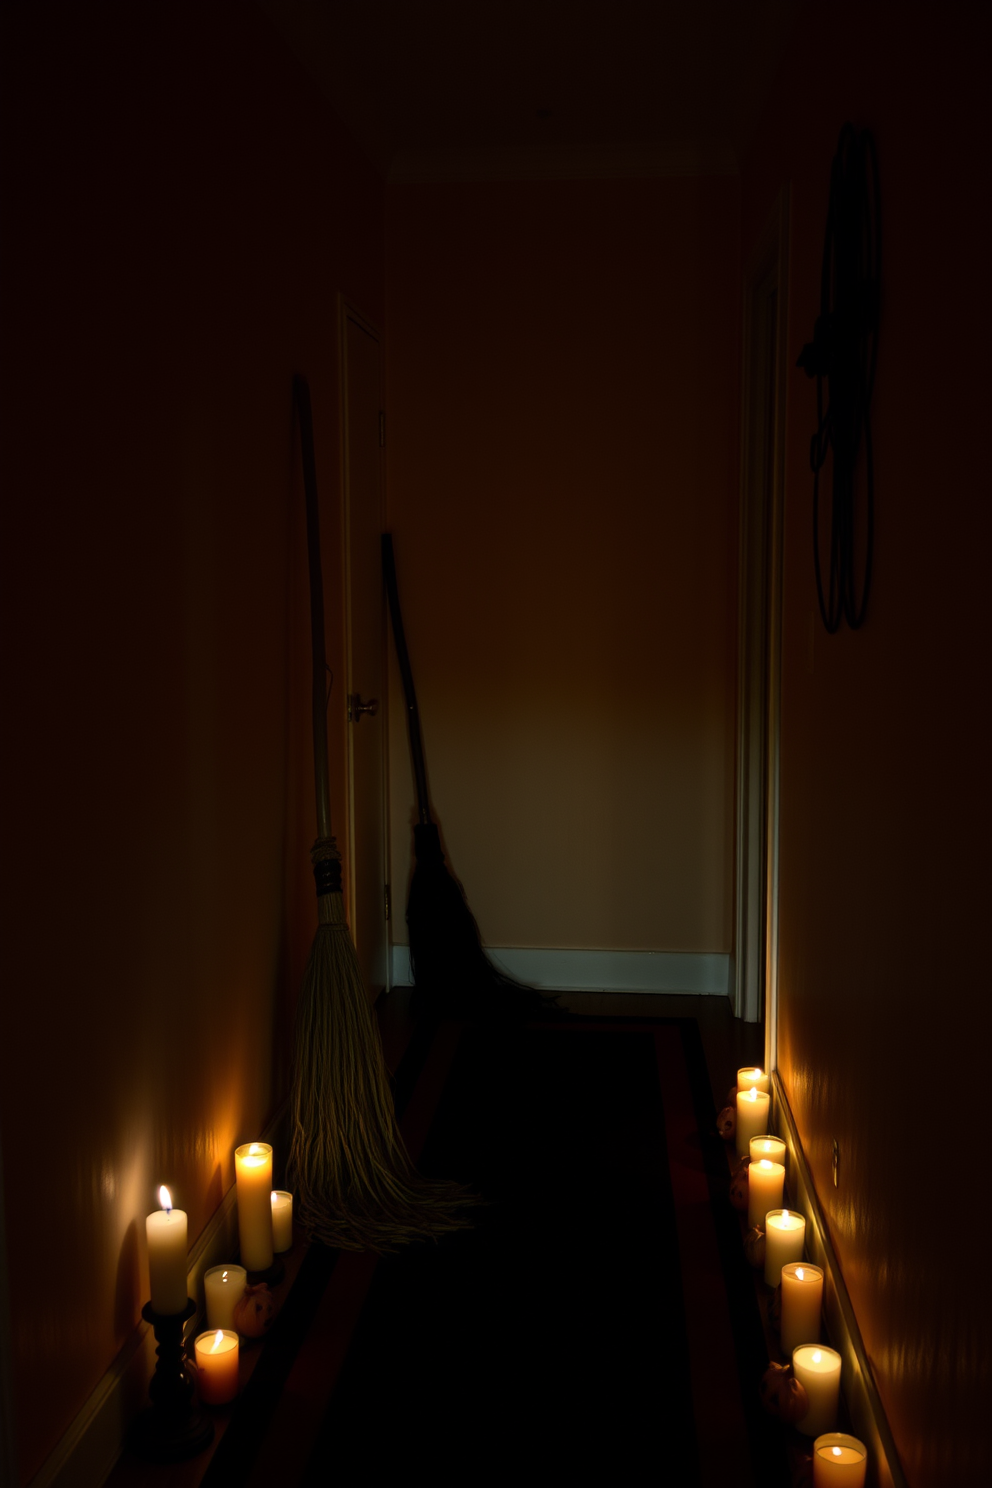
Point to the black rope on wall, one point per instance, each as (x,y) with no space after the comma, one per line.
(843,355)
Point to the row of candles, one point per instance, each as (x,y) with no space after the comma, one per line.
(265,1228)
(839,1460)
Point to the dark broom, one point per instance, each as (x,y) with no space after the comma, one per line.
(452,974)
(356,1186)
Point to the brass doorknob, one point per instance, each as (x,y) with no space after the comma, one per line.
(356,707)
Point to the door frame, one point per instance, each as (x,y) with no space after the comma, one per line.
(349,311)
(763,413)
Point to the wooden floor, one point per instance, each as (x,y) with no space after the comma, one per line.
(728,1045)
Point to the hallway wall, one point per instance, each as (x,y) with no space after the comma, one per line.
(179,209)
(562,405)
(885,807)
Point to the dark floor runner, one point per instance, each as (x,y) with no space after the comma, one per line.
(550,1341)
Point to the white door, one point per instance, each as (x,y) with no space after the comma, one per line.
(365,639)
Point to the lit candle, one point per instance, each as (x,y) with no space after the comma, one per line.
(224,1286)
(752,1079)
(752,1117)
(253,1166)
(217,1366)
(817,1368)
(785,1237)
(282,1220)
(839,1461)
(771,1147)
(765,1182)
(802,1301)
(165,1231)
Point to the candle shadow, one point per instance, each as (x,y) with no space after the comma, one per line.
(127,1289)
(215,1190)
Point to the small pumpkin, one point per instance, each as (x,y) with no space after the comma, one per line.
(782,1395)
(740,1165)
(726,1123)
(254,1312)
(775,1310)
(754,1248)
(738,1191)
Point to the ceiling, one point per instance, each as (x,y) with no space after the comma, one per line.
(451,89)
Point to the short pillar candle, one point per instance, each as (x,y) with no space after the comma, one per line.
(752,1117)
(765,1182)
(785,1240)
(165,1231)
(223,1287)
(282,1220)
(217,1365)
(253,1167)
(802,1303)
(839,1461)
(753,1079)
(817,1368)
(767,1146)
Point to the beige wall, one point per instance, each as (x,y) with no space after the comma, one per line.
(562,400)
(179,210)
(884,1036)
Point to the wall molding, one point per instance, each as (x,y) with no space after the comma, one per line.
(88,1450)
(700,973)
(858,1381)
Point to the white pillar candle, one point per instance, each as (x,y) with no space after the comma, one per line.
(839,1461)
(253,1167)
(165,1231)
(223,1286)
(765,1182)
(802,1302)
(282,1220)
(217,1366)
(785,1239)
(753,1079)
(765,1146)
(817,1368)
(752,1117)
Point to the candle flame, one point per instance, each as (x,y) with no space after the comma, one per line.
(836,1451)
(253,1149)
(218,1340)
(751,1095)
(224,1277)
(785,1215)
(756,1073)
(800,1274)
(817,1356)
(764,1163)
(165,1199)
(274,1196)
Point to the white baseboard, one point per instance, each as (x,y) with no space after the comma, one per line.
(87,1451)
(857,1380)
(693,972)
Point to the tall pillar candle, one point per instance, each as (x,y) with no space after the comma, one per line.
(802,1304)
(253,1167)
(753,1079)
(752,1117)
(817,1368)
(765,1183)
(217,1365)
(223,1287)
(839,1461)
(282,1220)
(785,1239)
(765,1146)
(165,1231)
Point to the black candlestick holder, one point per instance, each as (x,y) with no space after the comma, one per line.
(170,1429)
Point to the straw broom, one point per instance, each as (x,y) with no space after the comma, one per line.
(357,1188)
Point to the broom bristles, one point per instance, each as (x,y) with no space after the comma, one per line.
(357,1187)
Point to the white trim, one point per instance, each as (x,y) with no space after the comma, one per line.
(87,1452)
(857,1380)
(692,972)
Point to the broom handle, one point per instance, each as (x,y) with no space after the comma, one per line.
(403,657)
(301,394)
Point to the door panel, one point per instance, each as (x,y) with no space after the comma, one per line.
(366,650)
